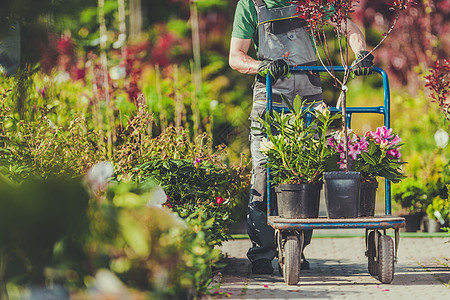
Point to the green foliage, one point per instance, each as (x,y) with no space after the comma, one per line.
(68,131)
(208,4)
(193,185)
(138,146)
(417,194)
(410,194)
(376,162)
(49,150)
(150,248)
(48,225)
(296,151)
(439,205)
(419,134)
(428,163)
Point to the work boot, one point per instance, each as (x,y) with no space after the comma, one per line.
(262,266)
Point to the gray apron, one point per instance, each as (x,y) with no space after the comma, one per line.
(279,31)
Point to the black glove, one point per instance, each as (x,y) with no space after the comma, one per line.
(276,68)
(362,66)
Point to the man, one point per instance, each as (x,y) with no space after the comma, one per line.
(281,39)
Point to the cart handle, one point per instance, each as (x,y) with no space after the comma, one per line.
(385,110)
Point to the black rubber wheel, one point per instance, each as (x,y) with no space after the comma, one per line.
(385,259)
(372,254)
(291,270)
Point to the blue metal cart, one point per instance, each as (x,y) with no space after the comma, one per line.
(381,250)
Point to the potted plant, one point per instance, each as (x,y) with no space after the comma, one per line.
(376,154)
(312,13)
(296,155)
(342,188)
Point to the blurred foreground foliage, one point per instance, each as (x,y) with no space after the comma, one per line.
(54,234)
(70,237)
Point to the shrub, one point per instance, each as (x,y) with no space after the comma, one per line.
(48,225)
(193,186)
(148,247)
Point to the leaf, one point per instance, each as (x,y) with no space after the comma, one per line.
(372,148)
(321,118)
(134,235)
(368,158)
(298,104)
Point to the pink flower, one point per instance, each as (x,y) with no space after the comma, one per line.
(384,132)
(363,144)
(394,153)
(395,140)
(41,91)
(219,200)
(197,161)
(331,141)
(353,152)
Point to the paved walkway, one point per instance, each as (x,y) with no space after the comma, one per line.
(339,271)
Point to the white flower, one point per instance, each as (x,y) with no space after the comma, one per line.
(441,138)
(353,137)
(157,197)
(339,135)
(323,109)
(213,104)
(99,175)
(107,285)
(266,146)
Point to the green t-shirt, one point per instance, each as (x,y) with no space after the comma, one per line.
(245,23)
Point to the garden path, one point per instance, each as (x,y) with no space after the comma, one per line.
(339,271)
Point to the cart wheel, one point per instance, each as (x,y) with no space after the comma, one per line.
(291,270)
(371,254)
(385,259)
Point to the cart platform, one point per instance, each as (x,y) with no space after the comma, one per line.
(376,222)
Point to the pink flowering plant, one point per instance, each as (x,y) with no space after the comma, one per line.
(317,14)
(377,153)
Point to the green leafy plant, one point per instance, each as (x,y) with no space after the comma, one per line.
(376,154)
(53,232)
(411,195)
(415,194)
(296,151)
(149,247)
(193,185)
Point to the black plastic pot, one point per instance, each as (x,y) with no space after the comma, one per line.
(367,196)
(412,222)
(298,201)
(342,194)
